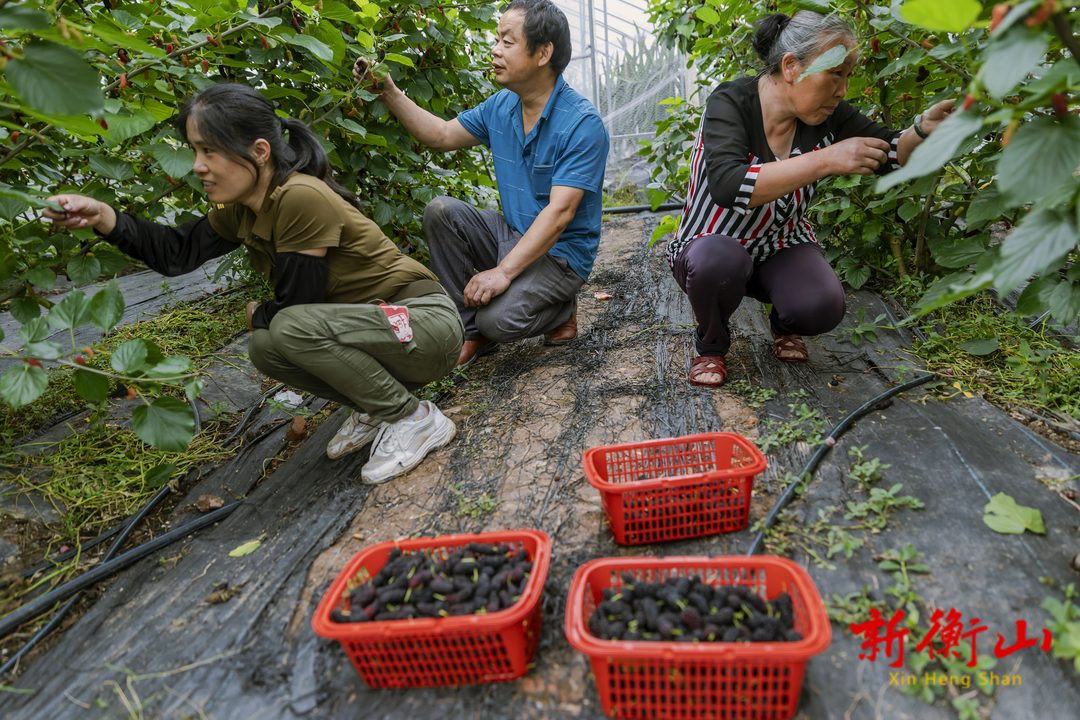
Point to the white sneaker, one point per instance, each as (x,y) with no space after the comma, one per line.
(402,445)
(356,432)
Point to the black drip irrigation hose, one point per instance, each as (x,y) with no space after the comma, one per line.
(58,618)
(641,208)
(124,529)
(59,594)
(822,451)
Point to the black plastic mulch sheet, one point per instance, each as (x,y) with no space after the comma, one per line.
(151,642)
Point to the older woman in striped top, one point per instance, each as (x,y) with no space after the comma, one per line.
(763,144)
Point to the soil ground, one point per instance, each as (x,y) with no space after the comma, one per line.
(151,647)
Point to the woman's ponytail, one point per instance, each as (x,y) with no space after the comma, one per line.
(307,156)
(767,33)
(232,117)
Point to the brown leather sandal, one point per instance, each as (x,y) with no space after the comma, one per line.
(790,348)
(705,364)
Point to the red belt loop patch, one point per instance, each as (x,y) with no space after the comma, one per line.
(398,315)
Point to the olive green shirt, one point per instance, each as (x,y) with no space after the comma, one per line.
(303,213)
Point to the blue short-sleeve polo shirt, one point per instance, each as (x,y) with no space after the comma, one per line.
(568,146)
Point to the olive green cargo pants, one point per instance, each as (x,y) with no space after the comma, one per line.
(350,354)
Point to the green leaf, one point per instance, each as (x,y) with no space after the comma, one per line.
(83,270)
(826,61)
(175,161)
(948,15)
(34,330)
(20,17)
(44,350)
(980,346)
(193,388)
(707,15)
(24,309)
(384,213)
(55,80)
(107,307)
(337,11)
(958,252)
(1036,296)
(71,312)
(22,384)
(245,549)
(907,211)
(317,47)
(936,150)
(1011,58)
(128,125)
(1064,302)
(1041,241)
(1003,515)
(986,206)
(6,191)
(41,277)
(166,423)
(129,357)
(171,366)
(158,475)
(912,56)
(110,167)
(90,385)
(400,59)
(1043,154)
(111,262)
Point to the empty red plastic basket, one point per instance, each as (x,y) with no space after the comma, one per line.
(749,681)
(675,488)
(458,650)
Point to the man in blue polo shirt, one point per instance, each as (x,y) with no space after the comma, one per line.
(516,275)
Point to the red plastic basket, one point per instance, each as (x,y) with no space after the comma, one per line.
(459,650)
(748,681)
(675,488)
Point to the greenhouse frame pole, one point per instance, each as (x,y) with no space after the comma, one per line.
(592,45)
(607,57)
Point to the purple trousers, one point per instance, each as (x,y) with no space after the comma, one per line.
(716,273)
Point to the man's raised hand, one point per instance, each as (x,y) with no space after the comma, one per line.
(485,286)
(363,74)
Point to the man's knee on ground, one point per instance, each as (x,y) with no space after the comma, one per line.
(438,209)
(498,326)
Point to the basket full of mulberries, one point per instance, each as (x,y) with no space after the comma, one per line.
(700,637)
(675,488)
(448,610)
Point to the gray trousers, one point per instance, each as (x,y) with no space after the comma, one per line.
(350,354)
(464,240)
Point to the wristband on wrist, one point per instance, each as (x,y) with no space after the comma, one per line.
(917,125)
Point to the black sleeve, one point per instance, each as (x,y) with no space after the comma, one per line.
(726,147)
(852,123)
(168,250)
(301,280)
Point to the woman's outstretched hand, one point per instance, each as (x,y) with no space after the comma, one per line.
(80,211)
(857,156)
(932,118)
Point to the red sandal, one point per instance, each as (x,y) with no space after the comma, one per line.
(790,348)
(704,364)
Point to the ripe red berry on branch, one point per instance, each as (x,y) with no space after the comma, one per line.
(998,14)
(1041,15)
(205,66)
(80,360)
(968,102)
(1060,104)
(32,361)
(103,124)
(875,45)
(266,45)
